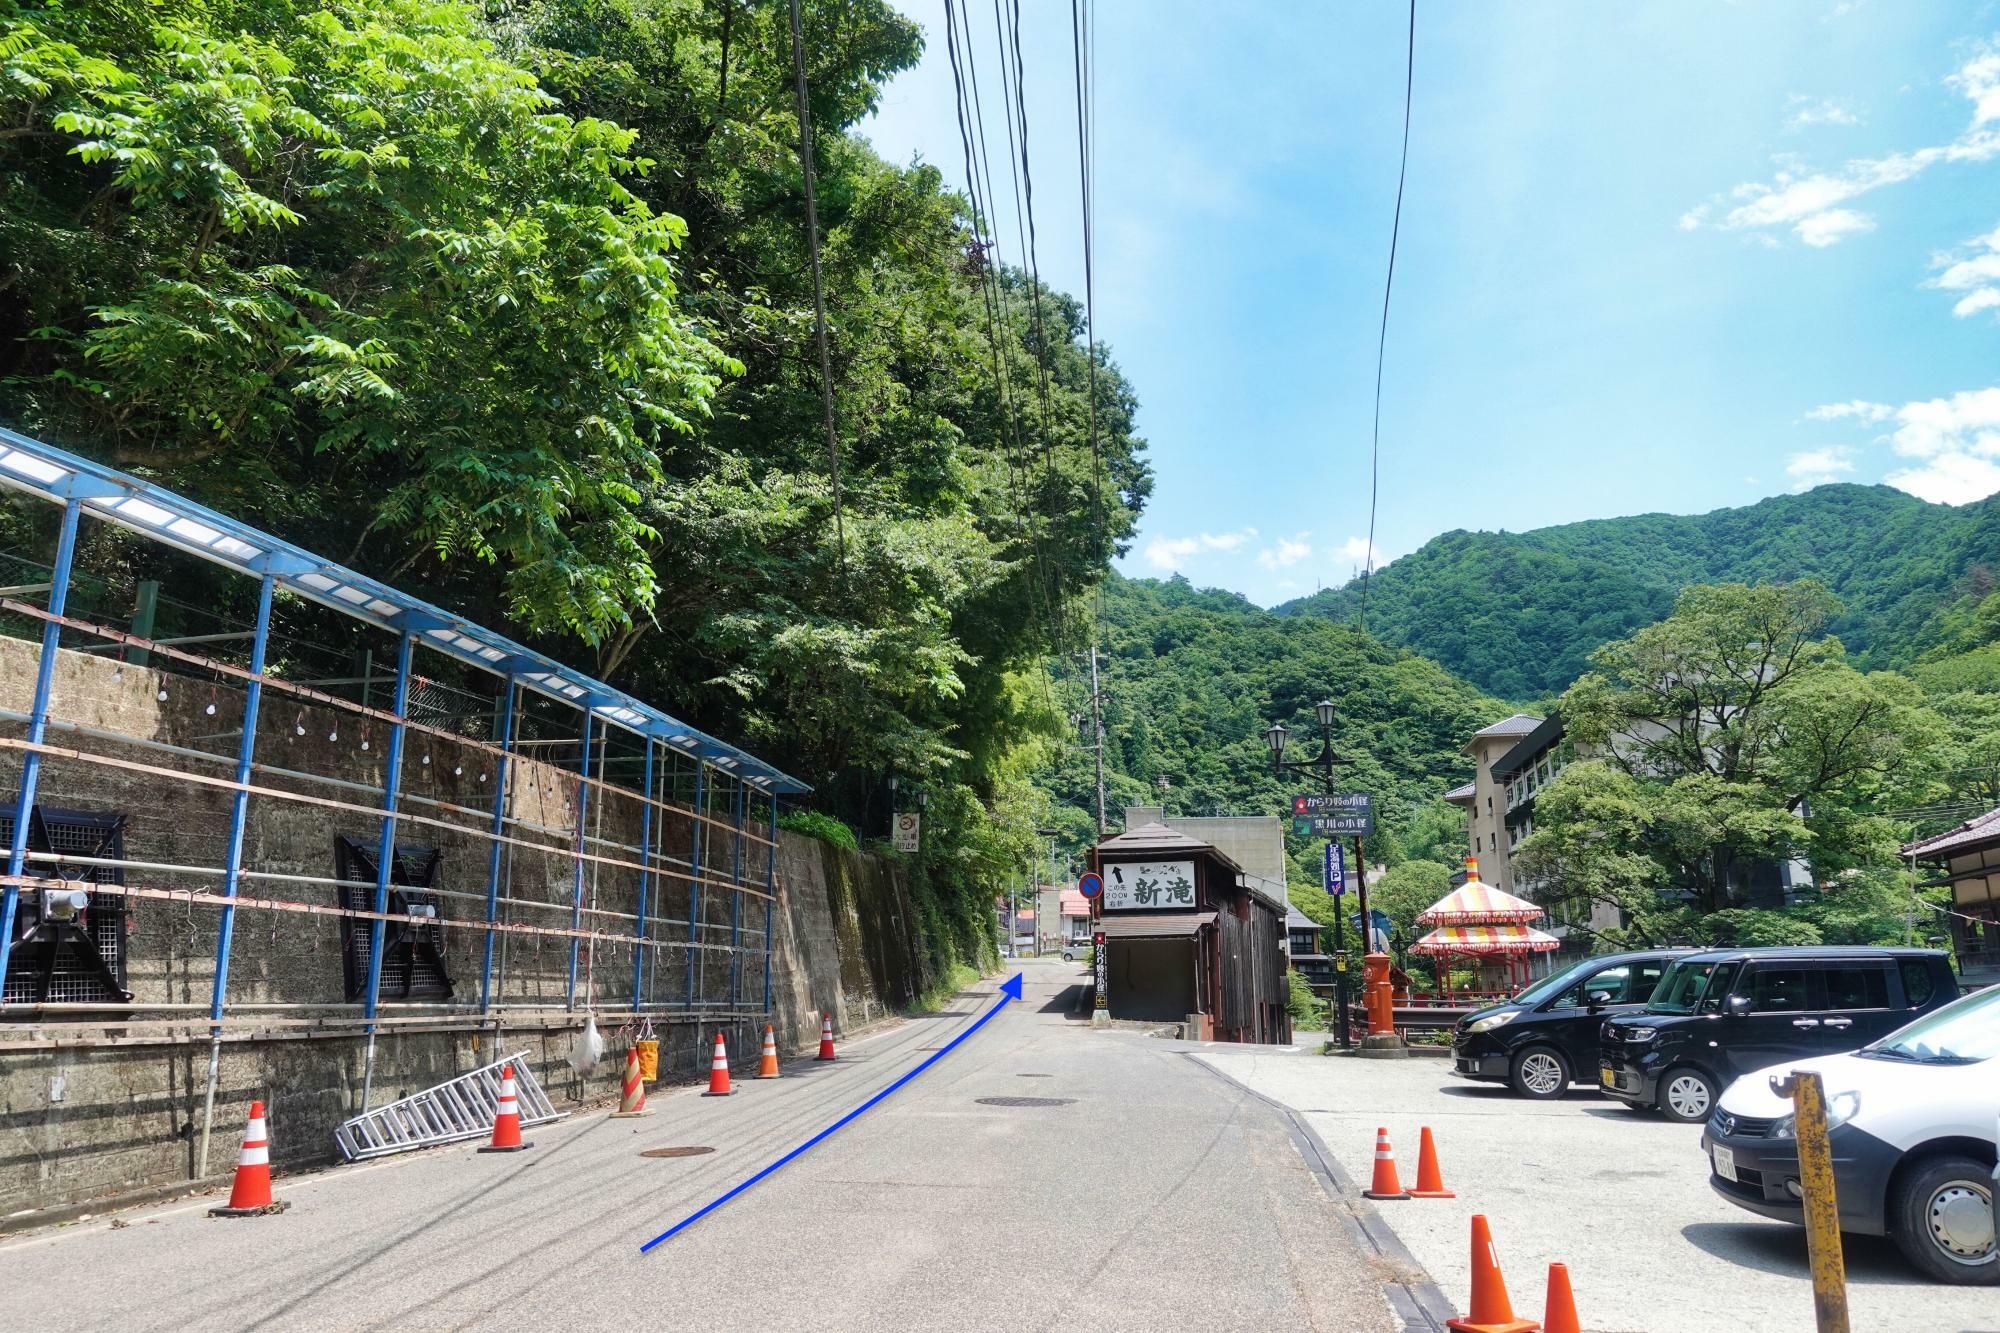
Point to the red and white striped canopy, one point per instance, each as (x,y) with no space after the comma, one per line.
(1477,903)
(1486,940)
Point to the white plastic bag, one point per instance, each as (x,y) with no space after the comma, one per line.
(589,1048)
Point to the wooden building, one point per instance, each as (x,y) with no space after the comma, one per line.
(1189,937)
(1969,856)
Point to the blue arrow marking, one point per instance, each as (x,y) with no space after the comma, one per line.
(1009,990)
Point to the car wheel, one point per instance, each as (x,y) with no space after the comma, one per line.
(1941,1214)
(1539,1073)
(1686,1095)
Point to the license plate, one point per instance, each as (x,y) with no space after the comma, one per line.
(1725,1161)
(1610,1079)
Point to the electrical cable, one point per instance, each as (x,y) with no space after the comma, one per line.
(818,284)
(1382,335)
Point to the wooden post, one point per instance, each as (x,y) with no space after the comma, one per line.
(1822,1207)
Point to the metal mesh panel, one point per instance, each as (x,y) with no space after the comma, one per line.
(413,959)
(73,980)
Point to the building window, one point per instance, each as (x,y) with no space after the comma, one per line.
(413,963)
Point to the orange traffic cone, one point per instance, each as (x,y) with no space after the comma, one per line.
(767,1067)
(250,1193)
(1430,1181)
(632,1100)
(718,1071)
(507,1117)
(1492,1312)
(1386,1185)
(826,1038)
(1559,1315)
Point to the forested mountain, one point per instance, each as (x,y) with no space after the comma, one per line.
(1192,677)
(1520,613)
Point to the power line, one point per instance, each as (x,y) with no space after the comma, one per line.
(819,287)
(1085,159)
(1382,336)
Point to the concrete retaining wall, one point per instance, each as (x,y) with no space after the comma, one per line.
(90,1107)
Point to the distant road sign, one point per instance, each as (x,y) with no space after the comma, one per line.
(1334,826)
(1089,884)
(1338,803)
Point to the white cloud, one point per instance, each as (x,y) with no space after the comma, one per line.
(1810,202)
(1974,270)
(1809,111)
(1170,553)
(1955,440)
(1816,467)
(1859,409)
(1355,551)
(1289,551)
(1953,479)
(1823,229)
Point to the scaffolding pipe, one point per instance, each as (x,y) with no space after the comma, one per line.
(771,888)
(232,858)
(385,852)
(499,824)
(695,831)
(38,724)
(645,878)
(582,803)
(736,803)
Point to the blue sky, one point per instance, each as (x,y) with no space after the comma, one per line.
(1655,256)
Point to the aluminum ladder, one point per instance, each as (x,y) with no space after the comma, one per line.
(448,1113)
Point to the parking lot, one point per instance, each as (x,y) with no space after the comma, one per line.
(1620,1196)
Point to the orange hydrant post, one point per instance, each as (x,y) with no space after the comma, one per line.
(1376,994)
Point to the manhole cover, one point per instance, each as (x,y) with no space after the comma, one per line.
(675,1152)
(1025,1101)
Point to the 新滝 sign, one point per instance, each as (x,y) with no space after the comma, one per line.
(1143,884)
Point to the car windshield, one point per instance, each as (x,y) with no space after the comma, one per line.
(1680,990)
(1964,1032)
(1553,983)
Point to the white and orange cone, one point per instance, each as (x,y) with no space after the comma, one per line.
(1385,1185)
(767,1065)
(250,1193)
(507,1118)
(632,1099)
(718,1071)
(826,1038)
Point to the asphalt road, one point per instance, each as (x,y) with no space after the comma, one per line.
(1160,1195)
(1619,1196)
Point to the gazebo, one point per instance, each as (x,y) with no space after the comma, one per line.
(1479,921)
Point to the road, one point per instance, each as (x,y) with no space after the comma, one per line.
(1619,1196)
(1159,1195)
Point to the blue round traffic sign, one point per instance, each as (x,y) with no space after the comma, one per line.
(1089,884)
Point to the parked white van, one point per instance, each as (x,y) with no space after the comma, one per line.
(1915,1123)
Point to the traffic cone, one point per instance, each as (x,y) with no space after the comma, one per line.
(767,1067)
(250,1192)
(718,1071)
(1430,1181)
(1386,1185)
(632,1099)
(1559,1315)
(507,1117)
(826,1038)
(1492,1312)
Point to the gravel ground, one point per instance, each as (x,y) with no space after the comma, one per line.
(1621,1197)
(1158,1196)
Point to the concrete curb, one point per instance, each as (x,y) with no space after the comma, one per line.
(29,1219)
(1419,1302)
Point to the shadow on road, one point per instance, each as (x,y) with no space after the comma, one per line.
(1778,1247)
(1064,1000)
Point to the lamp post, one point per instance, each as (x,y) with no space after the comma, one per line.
(1321,766)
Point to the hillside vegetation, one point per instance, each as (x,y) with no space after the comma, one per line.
(1519,613)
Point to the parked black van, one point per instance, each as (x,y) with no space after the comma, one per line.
(1720,1014)
(1546,1036)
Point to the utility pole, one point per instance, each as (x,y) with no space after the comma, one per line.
(1097,732)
